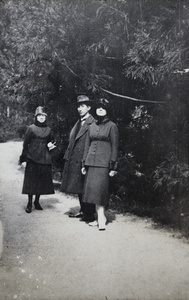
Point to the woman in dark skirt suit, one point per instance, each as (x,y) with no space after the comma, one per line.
(100,161)
(38,172)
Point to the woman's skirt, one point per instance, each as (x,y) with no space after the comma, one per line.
(96,186)
(38,179)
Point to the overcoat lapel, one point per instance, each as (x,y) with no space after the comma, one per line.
(84,128)
(73,135)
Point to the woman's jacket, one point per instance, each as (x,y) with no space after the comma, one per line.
(35,145)
(101,146)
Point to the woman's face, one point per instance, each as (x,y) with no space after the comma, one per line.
(41,118)
(100,111)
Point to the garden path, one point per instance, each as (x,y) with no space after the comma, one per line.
(46,255)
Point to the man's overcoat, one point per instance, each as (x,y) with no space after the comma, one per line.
(72,178)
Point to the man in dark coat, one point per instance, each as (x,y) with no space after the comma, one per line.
(72,178)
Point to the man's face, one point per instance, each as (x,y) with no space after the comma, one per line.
(83,109)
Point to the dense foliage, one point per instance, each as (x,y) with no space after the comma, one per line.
(134,53)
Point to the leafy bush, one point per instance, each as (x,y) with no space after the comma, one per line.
(171,180)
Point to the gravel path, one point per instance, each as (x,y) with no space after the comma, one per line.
(48,256)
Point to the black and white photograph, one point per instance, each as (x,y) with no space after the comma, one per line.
(94,150)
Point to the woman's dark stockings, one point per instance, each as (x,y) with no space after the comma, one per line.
(36,203)
(29,205)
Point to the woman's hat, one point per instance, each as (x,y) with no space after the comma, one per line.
(40,111)
(84,99)
(103,103)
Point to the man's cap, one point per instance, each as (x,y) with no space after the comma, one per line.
(83,99)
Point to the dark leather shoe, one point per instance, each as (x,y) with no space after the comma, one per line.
(28,209)
(37,206)
(101,227)
(87,219)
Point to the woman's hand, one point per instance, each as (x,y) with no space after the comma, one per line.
(83,171)
(51,145)
(112,173)
(22,159)
(22,164)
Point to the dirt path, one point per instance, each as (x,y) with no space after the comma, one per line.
(48,256)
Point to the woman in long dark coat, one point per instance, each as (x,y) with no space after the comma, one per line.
(100,161)
(36,154)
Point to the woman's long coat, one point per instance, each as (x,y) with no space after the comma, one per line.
(72,178)
(38,172)
(100,156)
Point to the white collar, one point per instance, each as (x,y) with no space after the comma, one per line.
(85,117)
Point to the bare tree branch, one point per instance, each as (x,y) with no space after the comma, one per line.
(130,98)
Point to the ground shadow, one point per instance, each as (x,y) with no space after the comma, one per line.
(110,214)
(45,203)
(49,203)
